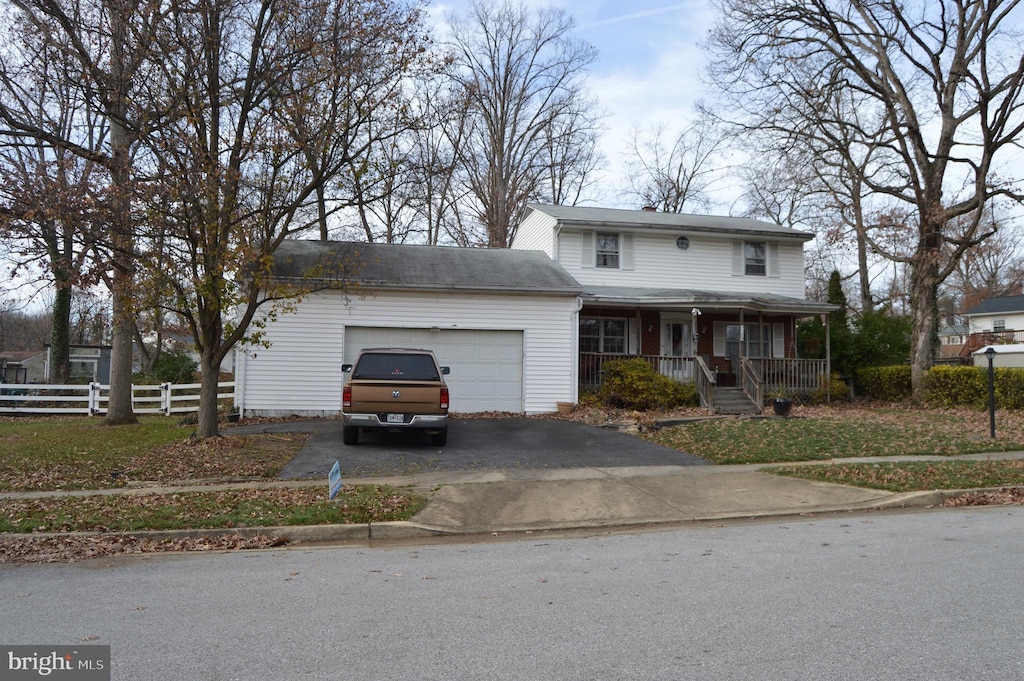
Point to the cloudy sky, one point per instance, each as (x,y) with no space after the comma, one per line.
(648,70)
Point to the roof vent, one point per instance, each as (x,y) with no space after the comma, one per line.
(650,209)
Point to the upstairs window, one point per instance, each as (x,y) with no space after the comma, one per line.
(999,325)
(607,254)
(606,250)
(755,258)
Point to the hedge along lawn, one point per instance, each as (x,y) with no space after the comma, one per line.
(830,433)
(83,453)
(910,476)
(209,510)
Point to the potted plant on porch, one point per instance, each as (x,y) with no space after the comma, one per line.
(782,403)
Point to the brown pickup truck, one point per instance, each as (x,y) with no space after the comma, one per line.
(396,389)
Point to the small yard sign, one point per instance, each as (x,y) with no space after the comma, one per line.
(334,479)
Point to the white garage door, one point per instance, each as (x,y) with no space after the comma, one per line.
(487,366)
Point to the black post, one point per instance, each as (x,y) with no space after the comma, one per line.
(991,353)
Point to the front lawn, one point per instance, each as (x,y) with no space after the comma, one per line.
(909,476)
(82,453)
(821,434)
(53,454)
(208,510)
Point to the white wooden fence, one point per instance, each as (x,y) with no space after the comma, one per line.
(92,398)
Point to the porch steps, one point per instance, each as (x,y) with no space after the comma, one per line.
(734,402)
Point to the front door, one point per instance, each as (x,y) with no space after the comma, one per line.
(676,349)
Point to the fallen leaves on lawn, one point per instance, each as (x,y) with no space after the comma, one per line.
(203,510)
(1007,496)
(259,456)
(71,548)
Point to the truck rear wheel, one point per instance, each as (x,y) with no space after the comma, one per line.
(350,435)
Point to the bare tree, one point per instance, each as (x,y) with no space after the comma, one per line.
(48,197)
(990,269)
(237,174)
(102,48)
(521,73)
(940,84)
(675,175)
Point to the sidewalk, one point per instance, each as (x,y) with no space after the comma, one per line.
(507,501)
(531,500)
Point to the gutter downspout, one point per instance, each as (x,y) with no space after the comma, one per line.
(574,330)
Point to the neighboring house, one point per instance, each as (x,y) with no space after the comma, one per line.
(23,366)
(89,363)
(952,339)
(702,298)
(994,321)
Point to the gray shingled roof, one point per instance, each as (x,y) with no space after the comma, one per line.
(997,305)
(627,295)
(406,266)
(679,222)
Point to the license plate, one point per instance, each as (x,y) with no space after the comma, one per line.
(396,418)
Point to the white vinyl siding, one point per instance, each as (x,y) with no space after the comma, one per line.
(705,265)
(1012,321)
(536,233)
(301,371)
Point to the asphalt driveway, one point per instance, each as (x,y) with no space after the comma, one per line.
(473,444)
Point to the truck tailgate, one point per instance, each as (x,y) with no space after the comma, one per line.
(379,397)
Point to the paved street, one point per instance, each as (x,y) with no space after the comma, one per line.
(927,595)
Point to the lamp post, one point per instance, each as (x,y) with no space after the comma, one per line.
(990,352)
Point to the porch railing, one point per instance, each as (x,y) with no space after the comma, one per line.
(705,384)
(976,341)
(760,377)
(751,381)
(790,376)
(592,367)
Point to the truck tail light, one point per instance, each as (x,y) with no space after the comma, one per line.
(346,397)
(444,398)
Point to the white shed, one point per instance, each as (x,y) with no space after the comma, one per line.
(1010,355)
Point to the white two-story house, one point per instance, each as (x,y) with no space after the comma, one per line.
(712,300)
(692,292)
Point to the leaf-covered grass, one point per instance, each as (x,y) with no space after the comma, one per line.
(83,453)
(822,434)
(207,510)
(909,476)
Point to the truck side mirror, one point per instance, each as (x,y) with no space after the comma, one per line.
(446,370)
(345,368)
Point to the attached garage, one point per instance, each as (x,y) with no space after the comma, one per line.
(503,320)
(487,365)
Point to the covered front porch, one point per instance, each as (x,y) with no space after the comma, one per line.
(714,340)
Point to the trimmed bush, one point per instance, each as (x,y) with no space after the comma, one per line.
(834,388)
(891,384)
(947,386)
(634,384)
(1009,388)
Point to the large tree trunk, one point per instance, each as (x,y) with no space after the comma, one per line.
(122,238)
(924,286)
(60,335)
(210,366)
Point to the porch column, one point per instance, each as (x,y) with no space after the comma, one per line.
(743,342)
(828,358)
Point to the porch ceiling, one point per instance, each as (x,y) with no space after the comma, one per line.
(686,299)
